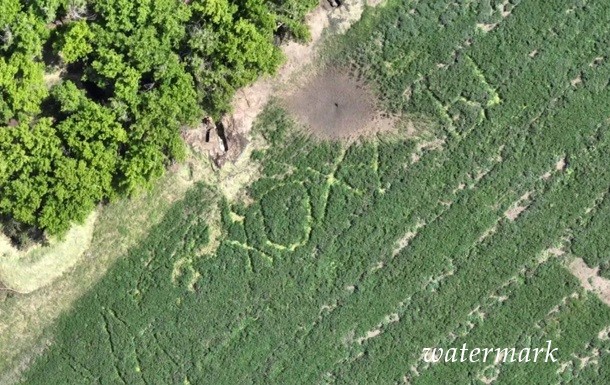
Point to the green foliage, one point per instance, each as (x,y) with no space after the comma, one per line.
(290,15)
(22,88)
(9,9)
(590,241)
(231,45)
(406,248)
(286,209)
(31,153)
(57,173)
(132,74)
(76,42)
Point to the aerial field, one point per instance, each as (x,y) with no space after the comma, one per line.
(479,219)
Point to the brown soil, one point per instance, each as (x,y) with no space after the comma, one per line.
(203,138)
(222,142)
(250,101)
(590,280)
(233,142)
(518,207)
(334,105)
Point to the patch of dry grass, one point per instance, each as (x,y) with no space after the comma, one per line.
(25,272)
(590,280)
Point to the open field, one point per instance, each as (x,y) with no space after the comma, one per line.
(24,271)
(42,283)
(344,261)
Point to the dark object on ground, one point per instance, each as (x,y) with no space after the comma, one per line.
(22,236)
(335,105)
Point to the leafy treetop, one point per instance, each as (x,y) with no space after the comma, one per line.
(93,93)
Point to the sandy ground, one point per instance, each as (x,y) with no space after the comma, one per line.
(590,280)
(24,272)
(334,105)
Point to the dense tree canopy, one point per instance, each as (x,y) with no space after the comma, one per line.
(93,93)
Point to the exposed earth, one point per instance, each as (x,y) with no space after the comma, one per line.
(334,105)
(312,100)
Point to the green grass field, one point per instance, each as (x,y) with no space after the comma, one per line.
(350,259)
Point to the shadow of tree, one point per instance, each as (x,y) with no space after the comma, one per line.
(22,236)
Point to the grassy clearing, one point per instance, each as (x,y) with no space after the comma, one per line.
(386,246)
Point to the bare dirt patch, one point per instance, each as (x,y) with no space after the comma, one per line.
(370,334)
(518,207)
(487,27)
(250,101)
(590,280)
(506,8)
(334,105)
(561,164)
(222,142)
(53,78)
(597,61)
(406,239)
(604,334)
(576,81)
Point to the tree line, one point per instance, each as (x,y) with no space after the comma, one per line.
(93,93)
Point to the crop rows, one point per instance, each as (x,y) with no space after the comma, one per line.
(349,260)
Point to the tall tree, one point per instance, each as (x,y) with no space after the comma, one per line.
(133,73)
